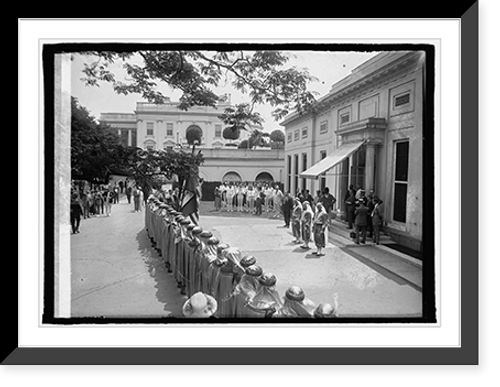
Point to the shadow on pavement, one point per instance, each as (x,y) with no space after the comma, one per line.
(381,270)
(166,287)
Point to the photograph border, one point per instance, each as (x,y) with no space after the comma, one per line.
(467,353)
(50,283)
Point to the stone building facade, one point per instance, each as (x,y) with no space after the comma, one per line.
(367,131)
(164,126)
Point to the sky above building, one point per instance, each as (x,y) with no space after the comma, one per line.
(328,66)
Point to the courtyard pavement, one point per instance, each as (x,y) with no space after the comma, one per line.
(116,272)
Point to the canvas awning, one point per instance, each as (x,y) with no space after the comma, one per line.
(337,156)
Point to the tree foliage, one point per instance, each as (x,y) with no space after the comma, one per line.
(231,133)
(277,136)
(244,144)
(261,74)
(151,168)
(95,149)
(96,153)
(194,135)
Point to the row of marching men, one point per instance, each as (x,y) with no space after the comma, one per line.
(217,279)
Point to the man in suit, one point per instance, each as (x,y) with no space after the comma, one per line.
(360,221)
(287,209)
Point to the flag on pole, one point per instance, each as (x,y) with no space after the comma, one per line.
(190,204)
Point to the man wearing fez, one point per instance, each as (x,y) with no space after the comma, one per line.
(215,269)
(168,239)
(181,247)
(177,238)
(186,260)
(267,299)
(197,275)
(296,305)
(194,261)
(232,257)
(245,290)
(209,254)
(160,234)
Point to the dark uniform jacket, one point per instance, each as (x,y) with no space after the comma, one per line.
(360,216)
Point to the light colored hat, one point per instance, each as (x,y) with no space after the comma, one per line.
(200,305)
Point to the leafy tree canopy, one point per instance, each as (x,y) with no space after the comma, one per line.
(277,135)
(95,149)
(260,74)
(194,135)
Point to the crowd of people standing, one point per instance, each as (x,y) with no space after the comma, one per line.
(219,280)
(97,200)
(307,215)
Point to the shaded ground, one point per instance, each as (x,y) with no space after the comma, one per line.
(116,272)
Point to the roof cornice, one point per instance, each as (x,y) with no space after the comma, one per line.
(390,67)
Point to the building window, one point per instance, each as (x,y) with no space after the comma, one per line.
(322,179)
(402,100)
(296,172)
(323,127)
(304,132)
(401,181)
(289,137)
(218,131)
(304,167)
(345,118)
(289,172)
(170,129)
(149,129)
(296,135)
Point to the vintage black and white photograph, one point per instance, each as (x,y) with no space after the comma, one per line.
(226,183)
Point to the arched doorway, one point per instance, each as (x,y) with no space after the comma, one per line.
(264,176)
(231,176)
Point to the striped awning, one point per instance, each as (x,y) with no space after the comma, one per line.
(337,156)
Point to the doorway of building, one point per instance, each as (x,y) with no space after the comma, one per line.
(264,176)
(231,176)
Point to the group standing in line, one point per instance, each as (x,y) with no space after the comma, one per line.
(98,199)
(219,281)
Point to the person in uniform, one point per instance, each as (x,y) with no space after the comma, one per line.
(239,270)
(296,215)
(209,254)
(267,299)
(376,217)
(197,274)
(245,290)
(360,222)
(176,239)
(225,288)
(295,305)
(306,224)
(320,224)
(277,201)
(195,246)
(230,192)
(182,252)
(215,269)
(327,310)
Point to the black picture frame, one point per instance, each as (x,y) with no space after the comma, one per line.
(466,354)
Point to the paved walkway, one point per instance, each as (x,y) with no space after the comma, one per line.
(116,273)
(365,289)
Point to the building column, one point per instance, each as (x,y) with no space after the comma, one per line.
(370,166)
(129,138)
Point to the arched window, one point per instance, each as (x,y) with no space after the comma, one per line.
(264,176)
(231,176)
(149,144)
